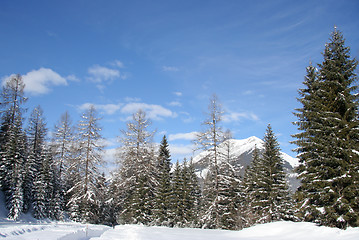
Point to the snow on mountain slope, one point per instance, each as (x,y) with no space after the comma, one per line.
(241,151)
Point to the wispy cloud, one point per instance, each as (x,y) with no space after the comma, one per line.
(153,111)
(175,104)
(178,94)
(41,81)
(238,116)
(104,108)
(182,136)
(170,69)
(100,74)
(118,64)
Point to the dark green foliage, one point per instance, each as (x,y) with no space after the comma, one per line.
(163,189)
(12,145)
(328,141)
(266,192)
(186,194)
(136,179)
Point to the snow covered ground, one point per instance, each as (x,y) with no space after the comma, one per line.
(76,231)
(29,228)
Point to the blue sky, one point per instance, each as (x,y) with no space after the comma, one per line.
(168,58)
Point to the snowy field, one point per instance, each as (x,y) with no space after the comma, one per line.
(76,231)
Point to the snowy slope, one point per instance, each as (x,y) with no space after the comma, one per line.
(270,231)
(37,230)
(241,151)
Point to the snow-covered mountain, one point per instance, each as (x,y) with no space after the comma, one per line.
(241,151)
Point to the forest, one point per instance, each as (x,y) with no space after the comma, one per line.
(59,178)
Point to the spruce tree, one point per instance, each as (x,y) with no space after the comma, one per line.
(228,186)
(13,145)
(36,134)
(13,159)
(266,189)
(137,172)
(190,195)
(163,189)
(248,210)
(328,142)
(177,208)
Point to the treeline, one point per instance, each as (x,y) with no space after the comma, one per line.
(59,178)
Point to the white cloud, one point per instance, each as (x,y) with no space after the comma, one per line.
(182,136)
(40,81)
(131,99)
(180,151)
(118,63)
(153,111)
(170,69)
(100,74)
(237,116)
(175,104)
(105,108)
(73,78)
(178,94)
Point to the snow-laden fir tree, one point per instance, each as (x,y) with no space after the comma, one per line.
(84,194)
(101,208)
(36,134)
(210,139)
(265,185)
(12,145)
(328,141)
(248,208)
(137,172)
(41,190)
(228,186)
(13,158)
(177,208)
(45,202)
(163,191)
(191,195)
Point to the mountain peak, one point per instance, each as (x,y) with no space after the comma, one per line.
(241,150)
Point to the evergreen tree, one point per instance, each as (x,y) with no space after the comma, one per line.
(163,189)
(137,174)
(190,195)
(177,208)
(228,186)
(328,141)
(13,159)
(265,185)
(36,133)
(248,208)
(43,189)
(12,145)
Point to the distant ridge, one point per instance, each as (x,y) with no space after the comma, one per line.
(241,151)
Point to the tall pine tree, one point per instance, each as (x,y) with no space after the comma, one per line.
(163,189)
(265,187)
(137,172)
(328,141)
(13,150)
